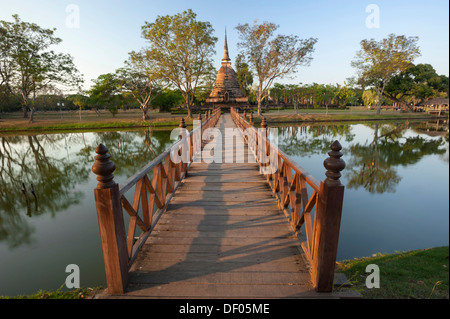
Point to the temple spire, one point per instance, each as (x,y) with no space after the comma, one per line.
(226,57)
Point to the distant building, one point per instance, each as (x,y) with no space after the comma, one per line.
(226,88)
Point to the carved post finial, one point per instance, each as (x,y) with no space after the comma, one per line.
(182,123)
(206,115)
(334,165)
(103,167)
(244,116)
(200,117)
(250,119)
(263,123)
(209,113)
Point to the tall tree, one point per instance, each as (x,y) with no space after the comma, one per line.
(140,79)
(27,65)
(182,49)
(272,57)
(419,82)
(325,94)
(244,76)
(379,61)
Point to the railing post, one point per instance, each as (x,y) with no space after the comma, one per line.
(111,224)
(327,222)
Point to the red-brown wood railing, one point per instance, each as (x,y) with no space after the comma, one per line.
(150,200)
(288,182)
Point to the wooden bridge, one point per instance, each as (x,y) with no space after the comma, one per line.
(233,224)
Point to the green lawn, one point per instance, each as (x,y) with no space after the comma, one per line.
(418,274)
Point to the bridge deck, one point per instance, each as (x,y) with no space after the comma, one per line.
(222,236)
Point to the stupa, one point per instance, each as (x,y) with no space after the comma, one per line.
(226,88)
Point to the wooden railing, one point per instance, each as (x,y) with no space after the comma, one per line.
(150,200)
(288,181)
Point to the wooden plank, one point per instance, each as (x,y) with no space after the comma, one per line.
(219,196)
(215,210)
(223,291)
(256,233)
(219,248)
(196,277)
(268,220)
(250,243)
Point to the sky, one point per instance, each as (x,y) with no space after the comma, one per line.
(99,34)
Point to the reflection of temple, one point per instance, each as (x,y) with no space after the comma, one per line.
(227,91)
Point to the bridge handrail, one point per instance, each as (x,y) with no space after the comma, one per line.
(288,182)
(151,198)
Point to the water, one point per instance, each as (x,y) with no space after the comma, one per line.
(402,202)
(403,205)
(40,237)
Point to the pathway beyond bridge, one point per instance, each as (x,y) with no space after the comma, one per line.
(222,235)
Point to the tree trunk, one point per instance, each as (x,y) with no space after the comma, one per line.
(259,107)
(32,115)
(25,109)
(145,117)
(189,115)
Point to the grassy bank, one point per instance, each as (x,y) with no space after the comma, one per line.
(312,115)
(418,274)
(14,123)
(81,293)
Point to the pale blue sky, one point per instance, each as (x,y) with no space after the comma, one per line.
(109,29)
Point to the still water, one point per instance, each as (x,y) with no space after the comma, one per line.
(396,197)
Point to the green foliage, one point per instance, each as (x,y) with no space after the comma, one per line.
(182,48)
(379,61)
(28,65)
(271,56)
(418,274)
(244,76)
(418,83)
(167,100)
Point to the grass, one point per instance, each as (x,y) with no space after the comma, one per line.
(70,121)
(418,274)
(81,293)
(353,114)
(14,123)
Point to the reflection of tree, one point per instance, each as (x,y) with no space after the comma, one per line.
(24,162)
(44,162)
(373,166)
(131,150)
(308,140)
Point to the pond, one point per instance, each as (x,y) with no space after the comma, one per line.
(396,197)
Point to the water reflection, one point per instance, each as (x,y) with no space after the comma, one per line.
(40,174)
(372,159)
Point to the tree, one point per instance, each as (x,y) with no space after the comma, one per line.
(167,99)
(27,66)
(244,76)
(378,62)
(369,98)
(104,90)
(140,79)
(417,82)
(272,57)
(325,94)
(343,94)
(182,49)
